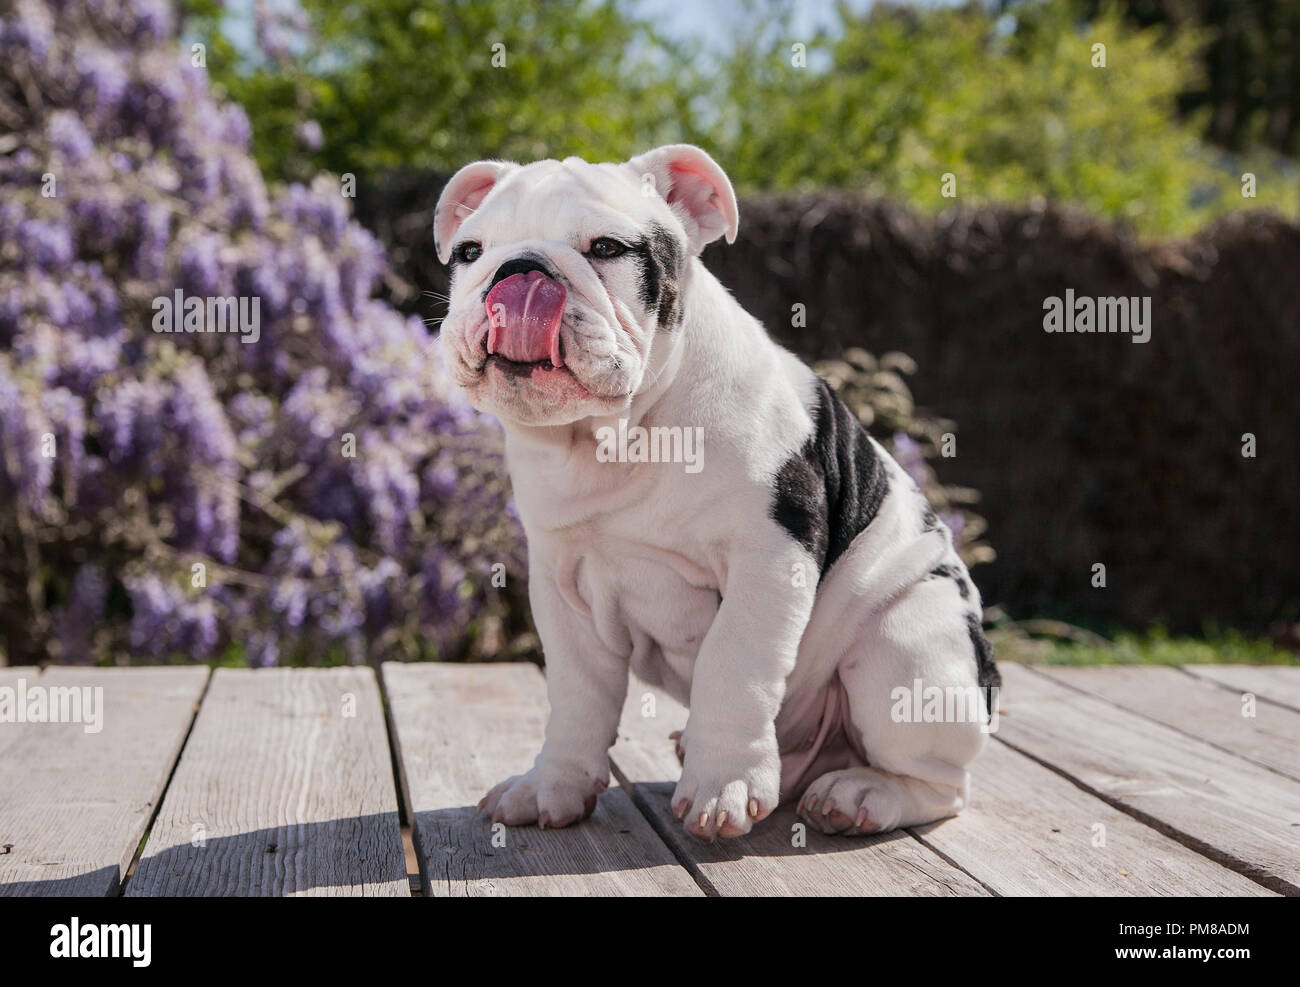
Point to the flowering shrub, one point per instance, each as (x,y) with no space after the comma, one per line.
(320,492)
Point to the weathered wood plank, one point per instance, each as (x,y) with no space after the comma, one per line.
(285,788)
(75,804)
(1029,832)
(460,729)
(1264,733)
(11,677)
(1278,683)
(781,856)
(10,674)
(1222,805)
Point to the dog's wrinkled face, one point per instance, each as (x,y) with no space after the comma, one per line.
(566,274)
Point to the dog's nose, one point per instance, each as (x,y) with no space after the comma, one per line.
(520,265)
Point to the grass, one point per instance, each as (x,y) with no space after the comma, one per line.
(1025,642)
(1046,642)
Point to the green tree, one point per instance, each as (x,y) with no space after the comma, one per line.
(1251,83)
(1011,108)
(409,84)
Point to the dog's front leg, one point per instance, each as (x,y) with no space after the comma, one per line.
(586,683)
(731,773)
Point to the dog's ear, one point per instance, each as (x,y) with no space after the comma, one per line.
(460,197)
(696,189)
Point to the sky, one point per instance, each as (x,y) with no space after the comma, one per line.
(709,21)
(704,20)
(712,21)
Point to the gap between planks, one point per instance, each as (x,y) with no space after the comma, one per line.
(139,849)
(1277,684)
(1263,733)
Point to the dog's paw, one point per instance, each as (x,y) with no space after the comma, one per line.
(550,803)
(725,796)
(854,802)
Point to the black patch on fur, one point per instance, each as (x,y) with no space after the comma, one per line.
(831,490)
(669,315)
(661,262)
(953,573)
(989,676)
(929,519)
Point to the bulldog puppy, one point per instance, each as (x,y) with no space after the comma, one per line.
(788,582)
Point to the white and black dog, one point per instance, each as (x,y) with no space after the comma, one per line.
(785,587)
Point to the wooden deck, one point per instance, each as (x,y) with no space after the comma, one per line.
(1099,781)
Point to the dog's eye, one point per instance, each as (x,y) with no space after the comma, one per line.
(468,252)
(604,247)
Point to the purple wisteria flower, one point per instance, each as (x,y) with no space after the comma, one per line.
(910,456)
(321,494)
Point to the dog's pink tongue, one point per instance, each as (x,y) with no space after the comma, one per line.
(524,313)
